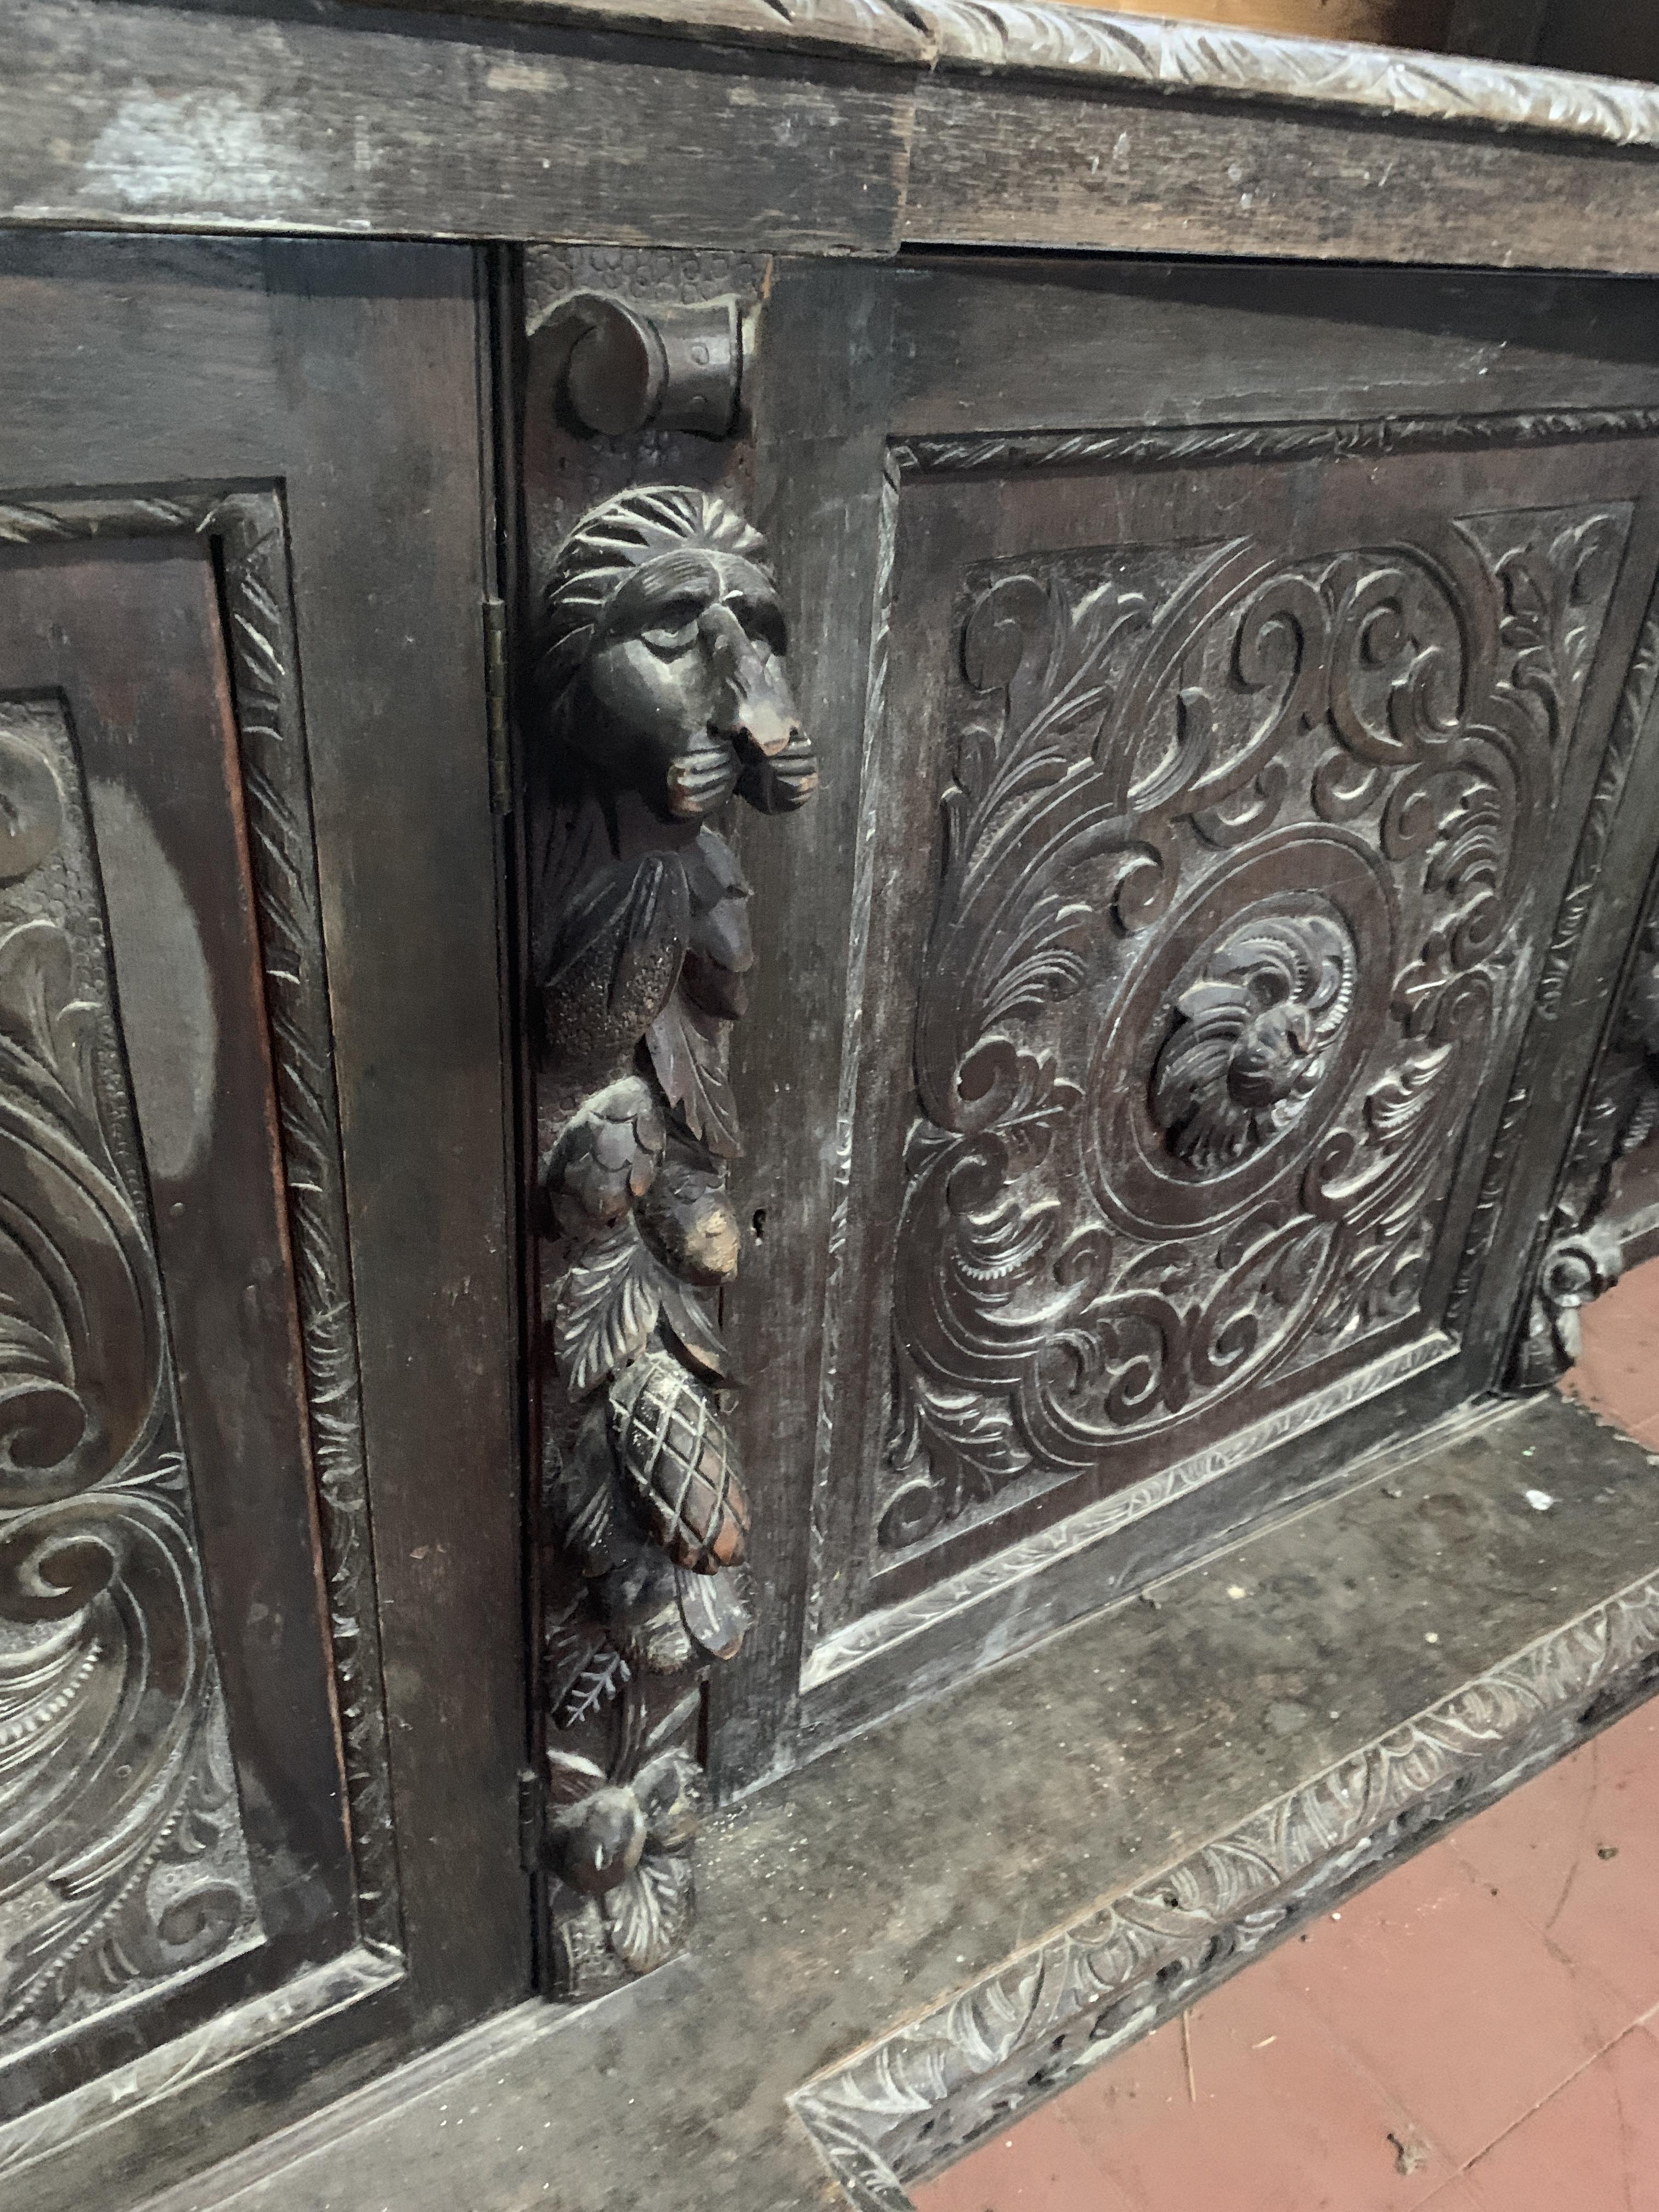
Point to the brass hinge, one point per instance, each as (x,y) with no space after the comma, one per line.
(533,1819)
(501,764)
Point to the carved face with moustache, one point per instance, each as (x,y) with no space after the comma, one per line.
(663,673)
(665,664)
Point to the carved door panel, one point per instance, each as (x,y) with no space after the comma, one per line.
(1233,909)
(157,1444)
(1244,709)
(260,1654)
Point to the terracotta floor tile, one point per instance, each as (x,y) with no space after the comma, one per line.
(1617,1372)
(1593,2147)
(1491,2031)
(1282,2120)
(1455,2003)
(1541,1848)
(1041,2166)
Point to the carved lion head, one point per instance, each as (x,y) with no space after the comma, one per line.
(662,663)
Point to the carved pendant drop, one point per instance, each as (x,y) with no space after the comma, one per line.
(664,699)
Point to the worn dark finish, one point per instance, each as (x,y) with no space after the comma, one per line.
(174,621)
(1049,1795)
(618,368)
(661,696)
(1235,690)
(352,120)
(1023,165)
(966,121)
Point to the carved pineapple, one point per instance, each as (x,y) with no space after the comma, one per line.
(680,1462)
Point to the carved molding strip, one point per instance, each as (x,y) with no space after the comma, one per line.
(926,2093)
(820,1535)
(1186,57)
(249,528)
(1003,36)
(1266,441)
(277,791)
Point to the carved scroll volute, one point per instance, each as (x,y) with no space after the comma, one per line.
(1583,1256)
(662,696)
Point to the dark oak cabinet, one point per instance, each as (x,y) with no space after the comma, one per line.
(771,913)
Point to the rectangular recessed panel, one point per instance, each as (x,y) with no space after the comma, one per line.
(1214,780)
(173,1827)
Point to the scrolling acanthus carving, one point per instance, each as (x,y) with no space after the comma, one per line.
(666,695)
(121,1855)
(1231,858)
(1583,1255)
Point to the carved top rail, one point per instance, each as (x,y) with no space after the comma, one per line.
(1169,57)
(815,127)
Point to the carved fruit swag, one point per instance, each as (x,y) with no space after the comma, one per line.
(664,696)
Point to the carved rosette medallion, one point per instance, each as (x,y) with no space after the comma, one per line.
(1251,1037)
(664,698)
(1233,858)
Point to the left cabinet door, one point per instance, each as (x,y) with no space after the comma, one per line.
(261,1705)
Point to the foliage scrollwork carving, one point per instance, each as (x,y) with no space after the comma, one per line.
(121,1852)
(1232,857)
(664,696)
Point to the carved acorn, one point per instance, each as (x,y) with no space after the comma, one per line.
(680,1463)
(688,1218)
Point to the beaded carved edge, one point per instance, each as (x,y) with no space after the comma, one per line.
(1144,50)
(904,2105)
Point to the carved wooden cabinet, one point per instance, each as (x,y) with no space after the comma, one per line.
(774,908)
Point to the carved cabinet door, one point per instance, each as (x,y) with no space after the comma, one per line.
(1227,682)
(260,1660)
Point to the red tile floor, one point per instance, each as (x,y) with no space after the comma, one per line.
(1477,2032)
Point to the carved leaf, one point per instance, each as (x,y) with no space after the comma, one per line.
(581,1498)
(571,1777)
(606,1309)
(687,1049)
(691,1329)
(716,1609)
(649,1914)
(1406,1093)
(600,1678)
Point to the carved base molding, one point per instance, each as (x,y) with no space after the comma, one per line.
(925,2094)
(350,1979)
